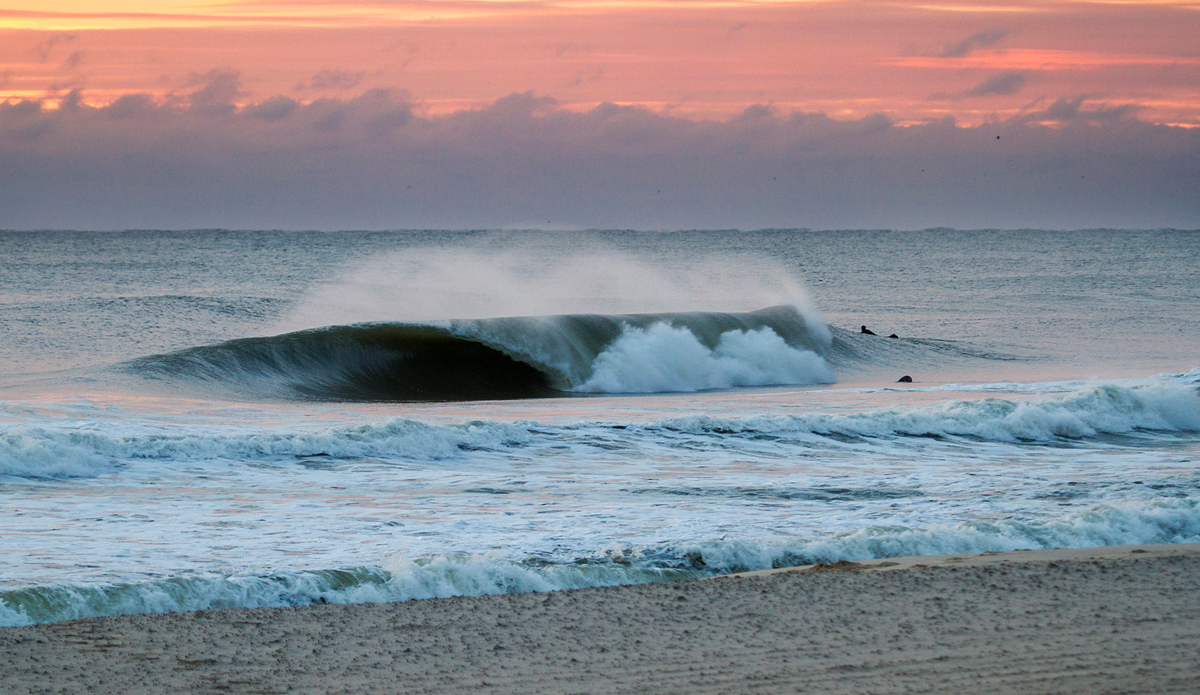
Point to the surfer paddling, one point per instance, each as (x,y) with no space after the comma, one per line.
(868,331)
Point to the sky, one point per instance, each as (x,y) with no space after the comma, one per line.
(611,113)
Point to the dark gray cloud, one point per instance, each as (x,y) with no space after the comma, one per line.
(371,162)
(980,39)
(218,89)
(274,109)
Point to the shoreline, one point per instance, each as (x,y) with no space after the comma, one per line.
(1085,620)
(993,557)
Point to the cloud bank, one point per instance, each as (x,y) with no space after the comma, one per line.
(374,162)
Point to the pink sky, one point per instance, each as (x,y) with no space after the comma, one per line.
(912,60)
(615,114)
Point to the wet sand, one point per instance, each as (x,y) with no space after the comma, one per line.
(1096,620)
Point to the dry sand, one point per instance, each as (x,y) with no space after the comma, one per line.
(1100,620)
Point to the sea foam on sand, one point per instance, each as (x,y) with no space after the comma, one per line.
(1085,620)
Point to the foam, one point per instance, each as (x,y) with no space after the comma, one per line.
(402,578)
(663,358)
(1130,523)
(77,450)
(1102,408)
(43,452)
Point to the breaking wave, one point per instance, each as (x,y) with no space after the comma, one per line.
(46,452)
(401,579)
(1169,406)
(517,357)
(1087,412)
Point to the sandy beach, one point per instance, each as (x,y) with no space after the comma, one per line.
(1119,619)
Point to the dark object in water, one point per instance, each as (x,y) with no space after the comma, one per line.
(893,336)
(867,331)
(906,379)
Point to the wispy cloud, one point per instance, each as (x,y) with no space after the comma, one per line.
(1077,111)
(43,50)
(980,39)
(72,62)
(336,79)
(1002,84)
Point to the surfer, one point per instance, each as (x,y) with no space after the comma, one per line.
(867,331)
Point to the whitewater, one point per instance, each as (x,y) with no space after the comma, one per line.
(205,419)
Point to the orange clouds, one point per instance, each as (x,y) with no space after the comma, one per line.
(912,60)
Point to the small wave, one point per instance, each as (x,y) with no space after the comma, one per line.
(813,494)
(516,357)
(400,579)
(40,452)
(1099,409)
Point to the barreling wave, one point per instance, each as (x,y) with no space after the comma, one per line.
(401,579)
(517,357)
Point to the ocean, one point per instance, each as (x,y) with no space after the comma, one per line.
(209,419)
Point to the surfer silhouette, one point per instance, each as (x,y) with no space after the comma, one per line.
(868,331)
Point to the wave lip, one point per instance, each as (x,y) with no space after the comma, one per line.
(514,357)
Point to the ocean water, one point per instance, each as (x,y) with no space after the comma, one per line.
(209,419)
